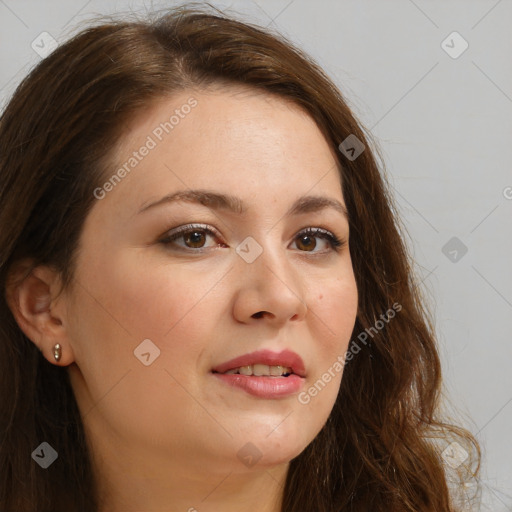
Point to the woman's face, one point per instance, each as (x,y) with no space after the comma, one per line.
(152,316)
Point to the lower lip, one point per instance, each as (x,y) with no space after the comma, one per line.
(264,387)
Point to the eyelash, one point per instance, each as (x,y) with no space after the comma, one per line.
(335,243)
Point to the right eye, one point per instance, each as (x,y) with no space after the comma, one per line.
(193,235)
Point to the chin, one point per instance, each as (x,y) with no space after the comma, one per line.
(276,458)
(269,450)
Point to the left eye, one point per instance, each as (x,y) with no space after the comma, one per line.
(195,237)
(306,238)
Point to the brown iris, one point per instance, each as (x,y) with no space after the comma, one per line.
(307,238)
(195,237)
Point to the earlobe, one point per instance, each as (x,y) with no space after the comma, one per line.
(39,315)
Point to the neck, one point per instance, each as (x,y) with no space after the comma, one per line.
(255,490)
(181,483)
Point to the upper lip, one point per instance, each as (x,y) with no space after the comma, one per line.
(284,358)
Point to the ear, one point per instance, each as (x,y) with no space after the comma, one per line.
(38,312)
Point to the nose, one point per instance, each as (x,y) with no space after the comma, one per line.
(269,288)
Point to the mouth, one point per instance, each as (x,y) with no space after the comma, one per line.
(264,363)
(264,374)
(259,370)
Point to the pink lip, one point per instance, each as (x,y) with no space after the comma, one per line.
(263,386)
(283,358)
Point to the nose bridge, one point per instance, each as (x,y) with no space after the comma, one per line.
(268,275)
(265,255)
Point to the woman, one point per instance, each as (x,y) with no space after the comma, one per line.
(207,302)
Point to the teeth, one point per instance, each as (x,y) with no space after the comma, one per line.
(259,370)
(245,370)
(278,370)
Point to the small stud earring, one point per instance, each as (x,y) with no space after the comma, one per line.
(57,352)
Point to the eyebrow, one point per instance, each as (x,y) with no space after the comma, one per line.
(217,201)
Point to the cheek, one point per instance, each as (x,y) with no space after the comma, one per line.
(152,299)
(334,314)
(175,306)
(121,303)
(334,311)
(177,309)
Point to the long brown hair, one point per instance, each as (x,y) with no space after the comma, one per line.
(381,447)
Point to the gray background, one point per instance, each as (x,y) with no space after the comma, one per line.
(444,126)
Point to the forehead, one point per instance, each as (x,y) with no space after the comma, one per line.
(236,139)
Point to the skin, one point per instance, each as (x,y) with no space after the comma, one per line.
(166,436)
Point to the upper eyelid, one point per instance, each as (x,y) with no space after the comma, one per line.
(189,227)
(335,241)
(205,227)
